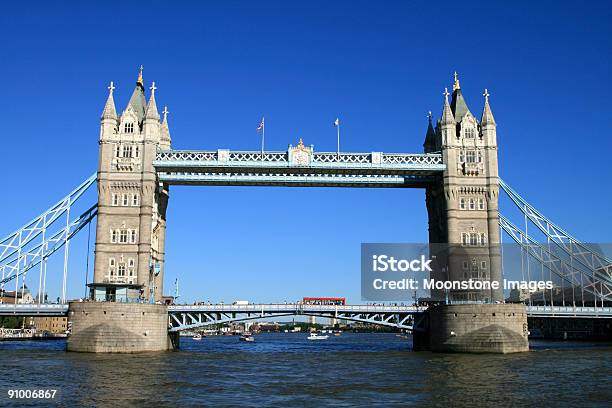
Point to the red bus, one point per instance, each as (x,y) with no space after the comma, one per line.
(323,301)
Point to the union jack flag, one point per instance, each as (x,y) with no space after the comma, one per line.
(261,126)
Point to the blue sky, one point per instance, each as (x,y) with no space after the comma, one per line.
(380,66)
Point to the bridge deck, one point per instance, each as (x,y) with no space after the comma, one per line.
(225,167)
(9,309)
(294,307)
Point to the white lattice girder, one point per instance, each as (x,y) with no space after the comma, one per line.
(601,265)
(12,243)
(576,277)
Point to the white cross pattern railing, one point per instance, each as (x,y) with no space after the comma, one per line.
(253,158)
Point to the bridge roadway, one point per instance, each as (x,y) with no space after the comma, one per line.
(381,314)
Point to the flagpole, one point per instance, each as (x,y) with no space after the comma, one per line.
(263,136)
(338,138)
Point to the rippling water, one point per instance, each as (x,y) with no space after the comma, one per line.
(287,370)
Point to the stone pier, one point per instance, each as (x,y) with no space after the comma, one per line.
(108,327)
(475,328)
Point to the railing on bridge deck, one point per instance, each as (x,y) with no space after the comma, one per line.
(569,311)
(324,160)
(33,309)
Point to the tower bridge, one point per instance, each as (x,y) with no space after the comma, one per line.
(458,170)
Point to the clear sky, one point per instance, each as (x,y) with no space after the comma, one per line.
(380,66)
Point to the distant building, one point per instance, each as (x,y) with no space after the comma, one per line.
(312,319)
(518,295)
(23,296)
(51,324)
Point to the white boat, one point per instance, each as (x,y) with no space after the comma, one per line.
(247,337)
(197,337)
(315,336)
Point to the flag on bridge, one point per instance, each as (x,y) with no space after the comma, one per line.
(337,125)
(260,128)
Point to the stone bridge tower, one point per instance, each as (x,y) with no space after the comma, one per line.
(130,234)
(463,203)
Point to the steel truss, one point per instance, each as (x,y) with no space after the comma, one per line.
(587,257)
(192,317)
(586,268)
(560,267)
(19,253)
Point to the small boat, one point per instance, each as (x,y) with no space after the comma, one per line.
(315,336)
(337,333)
(247,337)
(197,337)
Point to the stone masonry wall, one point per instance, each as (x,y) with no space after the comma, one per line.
(478,328)
(108,327)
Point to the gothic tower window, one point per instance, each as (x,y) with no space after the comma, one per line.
(123,236)
(121,270)
(129,127)
(111,267)
(462,203)
(470,156)
(133,236)
(127,151)
(481,205)
(135,199)
(113,236)
(472,204)
(115,199)
(469,133)
(124,200)
(473,238)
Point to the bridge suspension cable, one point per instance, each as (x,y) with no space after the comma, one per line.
(582,253)
(565,270)
(19,253)
(576,262)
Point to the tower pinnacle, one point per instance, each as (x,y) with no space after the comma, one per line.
(109,111)
(140,81)
(447,114)
(456,84)
(151,111)
(430,135)
(487,115)
(165,112)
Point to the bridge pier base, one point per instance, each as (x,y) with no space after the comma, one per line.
(474,328)
(108,327)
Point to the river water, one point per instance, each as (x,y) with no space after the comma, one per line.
(287,370)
